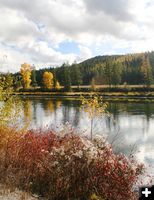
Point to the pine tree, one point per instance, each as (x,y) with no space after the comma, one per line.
(66,81)
(34,83)
(146,70)
(108,72)
(76,77)
(116,74)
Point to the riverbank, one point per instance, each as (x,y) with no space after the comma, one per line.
(109,96)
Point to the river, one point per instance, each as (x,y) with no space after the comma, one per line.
(129,126)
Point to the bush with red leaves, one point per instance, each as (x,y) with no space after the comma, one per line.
(68,167)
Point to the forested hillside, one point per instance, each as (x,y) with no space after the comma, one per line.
(108,70)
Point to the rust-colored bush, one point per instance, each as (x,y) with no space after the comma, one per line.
(67,167)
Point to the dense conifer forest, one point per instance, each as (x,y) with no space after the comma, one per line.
(131,69)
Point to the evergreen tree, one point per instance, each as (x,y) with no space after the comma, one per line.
(146,70)
(34,83)
(17,81)
(116,74)
(66,80)
(108,72)
(116,69)
(76,77)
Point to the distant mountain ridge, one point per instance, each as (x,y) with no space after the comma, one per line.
(129,68)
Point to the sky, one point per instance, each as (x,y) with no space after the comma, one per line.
(50,32)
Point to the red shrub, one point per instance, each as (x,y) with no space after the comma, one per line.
(69,166)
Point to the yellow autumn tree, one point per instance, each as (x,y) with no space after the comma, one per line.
(25,71)
(94,107)
(48,80)
(57,85)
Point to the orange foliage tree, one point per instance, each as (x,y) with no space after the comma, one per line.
(25,71)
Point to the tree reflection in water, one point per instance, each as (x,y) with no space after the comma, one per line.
(134,122)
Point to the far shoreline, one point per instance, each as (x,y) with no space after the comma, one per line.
(108,96)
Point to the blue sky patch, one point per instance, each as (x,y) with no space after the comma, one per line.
(69,47)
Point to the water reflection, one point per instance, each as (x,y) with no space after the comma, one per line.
(27,108)
(130,125)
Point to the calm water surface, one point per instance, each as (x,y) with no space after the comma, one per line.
(130,125)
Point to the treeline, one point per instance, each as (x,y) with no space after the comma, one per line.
(130,69)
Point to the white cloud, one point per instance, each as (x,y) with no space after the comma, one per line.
(118,9)
(85,53)
(31,32)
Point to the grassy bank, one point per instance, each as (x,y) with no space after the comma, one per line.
(65,166)
(109,96)
(110,92)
